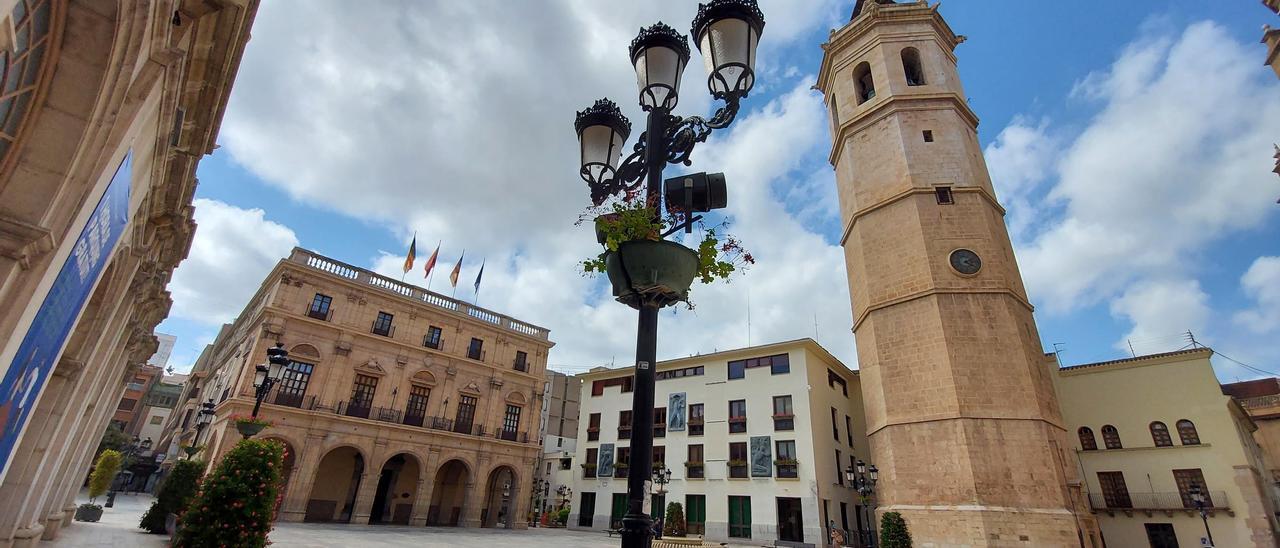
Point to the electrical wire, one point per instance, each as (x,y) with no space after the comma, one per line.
(1247,366)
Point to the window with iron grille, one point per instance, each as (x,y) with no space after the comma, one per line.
(738,459)
(1187,478)
(320,307)
(737,416)
(695,466)
(466,413)
(593,427)
(520,360)
(475,350)
(1187,431)
(382,325)
(1160,435)
(511,420)
(783,414)
(417,404)
(362,392)
(432,338)
(293,383)
(785,457)
(1111,437)
(624,425)
(696,419)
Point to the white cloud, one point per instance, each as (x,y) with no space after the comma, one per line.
(1176,159)
(233,251)
(1019,159)
(1161,311)
(1262,284)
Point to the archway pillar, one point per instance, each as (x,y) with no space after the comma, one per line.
(472,505)
(362,508)
(304,478)
(426,489)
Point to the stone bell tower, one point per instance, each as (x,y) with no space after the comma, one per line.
(961,411)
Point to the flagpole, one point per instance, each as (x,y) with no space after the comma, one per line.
(433,267)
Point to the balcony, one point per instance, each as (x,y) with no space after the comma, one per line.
(624,432)
(737,468)
(787,468)
(737,425)
(695,470)
(519,365)
(1169,501)
(322,315)
(384,329)
(354,409)
(784,422)
(289,399)
(476,354)
(435,344)
(620,470)
(512,435)
(414,420)
(314,261)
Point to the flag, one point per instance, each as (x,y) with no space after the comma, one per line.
(457,269)
(413,249)
(431,263)
(479,275)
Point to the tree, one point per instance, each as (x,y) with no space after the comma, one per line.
(104,471)
(893,531)
(114,438)
(173,495)
(673,525)
(236,503)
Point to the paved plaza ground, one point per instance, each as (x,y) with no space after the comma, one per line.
(119,528)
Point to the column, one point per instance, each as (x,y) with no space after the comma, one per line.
(471,505)
(426,488)
(304,477)
(362,507)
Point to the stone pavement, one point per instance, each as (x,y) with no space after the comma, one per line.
(119,528)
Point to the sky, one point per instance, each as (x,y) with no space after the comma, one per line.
(1128,142)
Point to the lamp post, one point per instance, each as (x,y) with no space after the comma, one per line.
(203,417)
(1197,496)
(265,376)
(662,477)
(566,493)
(726,33)
(863,479)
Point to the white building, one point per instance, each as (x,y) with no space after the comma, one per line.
(163,350)
(756,439)
(553,472)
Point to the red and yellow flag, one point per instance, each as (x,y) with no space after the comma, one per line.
(431,263)
(408,260)
(457,269)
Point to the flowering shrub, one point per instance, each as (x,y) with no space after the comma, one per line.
(235,505)
(719,255)
(174,494)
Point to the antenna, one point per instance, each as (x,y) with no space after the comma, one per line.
(1135,354)
(1191,338)
(815,326)
(1057,353)
(748,317)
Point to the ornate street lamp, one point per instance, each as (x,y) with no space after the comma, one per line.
(203,417)
(727,33)
(863,479)
(1197,496)
(661,477)
(265,376)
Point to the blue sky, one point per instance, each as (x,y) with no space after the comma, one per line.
(456,123)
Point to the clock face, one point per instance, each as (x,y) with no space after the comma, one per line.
(965,262)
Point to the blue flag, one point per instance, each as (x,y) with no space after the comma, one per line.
(481,273)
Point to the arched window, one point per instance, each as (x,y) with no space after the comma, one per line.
(1160,435)
(864,83)
(1086,439)
(1187,431)
(911,67)
(1111,437)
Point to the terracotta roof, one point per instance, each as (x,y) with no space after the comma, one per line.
(1138,359)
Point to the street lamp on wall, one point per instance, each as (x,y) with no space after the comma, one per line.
(265,376)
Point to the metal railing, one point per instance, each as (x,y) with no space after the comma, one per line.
(322,315)
(338,268)
(387,330)
(353,409)
(1260,401)
(1168,500)
(436,344)
(396,416)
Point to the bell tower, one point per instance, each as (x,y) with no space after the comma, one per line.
(961,410)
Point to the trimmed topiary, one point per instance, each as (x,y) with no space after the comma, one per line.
(104,471)
(893,531)
(236,503)
(173,495)
(673,524)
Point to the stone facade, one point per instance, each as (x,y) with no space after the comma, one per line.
(1139,424)
(947,346)
(807,495)
(428,416)
(104,80)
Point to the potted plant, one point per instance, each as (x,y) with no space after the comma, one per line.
(249,426)
(642,267)
(104,471)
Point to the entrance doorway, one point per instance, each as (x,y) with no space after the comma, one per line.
(397,486)
(337,480)
(500,495)
(791,520)
(587,510)
(449,492)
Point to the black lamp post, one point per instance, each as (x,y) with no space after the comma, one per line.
(863,479)
(265,376)
(726,33)
(566,493)
(203,417)
(1197,496)
(661,477)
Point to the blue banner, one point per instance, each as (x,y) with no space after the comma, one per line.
(42,346)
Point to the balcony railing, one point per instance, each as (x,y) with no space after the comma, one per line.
(322,315)
(319,262)
(475,353)
(299,401)
(512,435)
(414,420)
(436,343)
(384,329)
(1169,500)
(397,416)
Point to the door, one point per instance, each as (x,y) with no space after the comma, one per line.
(619,510)
(740,517)
(695,515)
(380,496)
(1161,535)
(790,520)
(587,513)
(1114,491)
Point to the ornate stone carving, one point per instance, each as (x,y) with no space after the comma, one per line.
(342,344)
(372,366)
(451,371)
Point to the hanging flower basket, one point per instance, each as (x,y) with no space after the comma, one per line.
(647,271)
(249,426)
